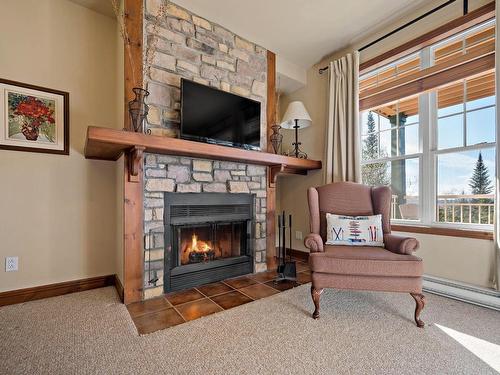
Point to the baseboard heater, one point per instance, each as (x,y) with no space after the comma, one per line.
(484,297)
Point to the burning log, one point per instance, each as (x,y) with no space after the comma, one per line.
(200,251)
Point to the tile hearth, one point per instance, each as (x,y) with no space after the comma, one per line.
(179,307)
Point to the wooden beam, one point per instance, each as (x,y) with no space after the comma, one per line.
(133,185)
(270,188)
(133,234)
(133,14)
(460,24)
(110,144)
(271,97)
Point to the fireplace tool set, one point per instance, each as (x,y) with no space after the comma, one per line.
(287,269)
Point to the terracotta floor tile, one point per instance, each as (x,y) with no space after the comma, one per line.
(152,322)
(214,288)
(149,306)
(304,277)
(231,299)
(183,296)
(258,291)
(264,276)
(196,309)
(282,285)
(240,282)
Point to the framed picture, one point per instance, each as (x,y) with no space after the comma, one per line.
(33,118)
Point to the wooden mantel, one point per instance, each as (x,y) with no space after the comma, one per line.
(110,144)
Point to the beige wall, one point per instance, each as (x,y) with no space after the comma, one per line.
(465,260)
(58,213)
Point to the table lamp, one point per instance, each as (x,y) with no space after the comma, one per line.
(296,117)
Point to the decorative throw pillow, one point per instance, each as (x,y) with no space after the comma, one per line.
(354,230)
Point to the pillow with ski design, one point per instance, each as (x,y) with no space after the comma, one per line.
(354,230)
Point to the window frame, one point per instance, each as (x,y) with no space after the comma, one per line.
(428,151)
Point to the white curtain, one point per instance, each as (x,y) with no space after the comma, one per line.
(342,142)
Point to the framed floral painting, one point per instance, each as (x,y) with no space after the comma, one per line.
(33,118)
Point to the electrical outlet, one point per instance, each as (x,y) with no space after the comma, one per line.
(11,264)
(298,235)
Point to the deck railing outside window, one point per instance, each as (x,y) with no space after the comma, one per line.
(459,208)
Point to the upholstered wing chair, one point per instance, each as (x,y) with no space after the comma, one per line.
(391,268)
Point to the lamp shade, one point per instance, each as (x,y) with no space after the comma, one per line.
(296,111)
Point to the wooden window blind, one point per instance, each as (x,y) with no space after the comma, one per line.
(454,59)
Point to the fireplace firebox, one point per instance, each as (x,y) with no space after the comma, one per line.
(208,238)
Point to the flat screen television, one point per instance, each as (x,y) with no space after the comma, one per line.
(214,116)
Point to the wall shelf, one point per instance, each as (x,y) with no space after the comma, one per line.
(110,144)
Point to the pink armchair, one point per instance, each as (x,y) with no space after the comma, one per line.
(389,269)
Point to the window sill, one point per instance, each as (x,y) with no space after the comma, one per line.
(451,232)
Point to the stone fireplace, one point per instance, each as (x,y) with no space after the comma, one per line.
(204,221)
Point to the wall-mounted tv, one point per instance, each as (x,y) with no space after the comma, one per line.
(215,116)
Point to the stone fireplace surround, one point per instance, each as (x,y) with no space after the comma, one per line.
(185,45)
(165,173)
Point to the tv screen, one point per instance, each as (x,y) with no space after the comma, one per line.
(215,116)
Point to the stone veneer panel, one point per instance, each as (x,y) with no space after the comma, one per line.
(164,173)
(184,45)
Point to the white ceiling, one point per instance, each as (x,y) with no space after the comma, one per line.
(302,31)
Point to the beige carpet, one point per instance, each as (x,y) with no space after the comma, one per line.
(358,333)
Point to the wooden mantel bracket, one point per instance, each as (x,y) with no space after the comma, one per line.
(135,160)
(275,170)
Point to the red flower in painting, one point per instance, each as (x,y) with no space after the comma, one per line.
(36,110)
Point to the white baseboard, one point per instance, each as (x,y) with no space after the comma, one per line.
(463,292)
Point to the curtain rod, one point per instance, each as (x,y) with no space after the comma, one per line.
(466,10)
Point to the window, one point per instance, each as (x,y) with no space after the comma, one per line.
(465,150)
(435,148)
(391,153)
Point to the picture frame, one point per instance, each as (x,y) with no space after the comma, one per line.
(33,118)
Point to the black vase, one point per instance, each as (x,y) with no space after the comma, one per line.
(138,109)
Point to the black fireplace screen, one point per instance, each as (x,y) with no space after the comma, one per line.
(208,242)
(208,237)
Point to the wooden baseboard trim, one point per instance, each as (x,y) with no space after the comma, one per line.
(297,254)
(119,288)
(52,290)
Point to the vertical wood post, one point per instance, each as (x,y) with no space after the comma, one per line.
(271,190)
(133,187)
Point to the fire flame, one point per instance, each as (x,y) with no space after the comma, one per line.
(198,246)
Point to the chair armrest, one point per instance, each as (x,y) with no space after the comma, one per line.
(314,242)
(400,244)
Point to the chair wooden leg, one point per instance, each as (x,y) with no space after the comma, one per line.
(316,294)
(420,303)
